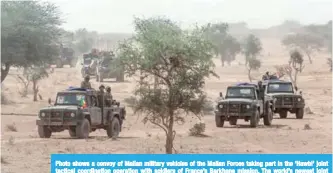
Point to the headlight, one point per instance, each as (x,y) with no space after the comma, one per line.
(248,106)
(72,115)
(299,99)
(42,114)
(221,106)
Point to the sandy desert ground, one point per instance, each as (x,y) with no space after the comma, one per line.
(24,150)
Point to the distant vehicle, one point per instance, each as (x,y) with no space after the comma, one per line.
(285,98)
(80,111)
(109,67)
(66,57)
(242,101)
(88,65)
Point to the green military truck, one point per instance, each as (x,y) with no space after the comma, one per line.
(109,67)
(66,57)
(285,98)
(242,101)
(80,111)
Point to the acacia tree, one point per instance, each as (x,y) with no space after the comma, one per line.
(295,67)
(29,30)
(253,64)
(306,42)
(35,74)
(225,46)
(179,59)
(251,48)
(232,48)
(84,40)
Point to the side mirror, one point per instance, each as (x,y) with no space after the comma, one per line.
(118,104)
(300,92)
(296,88)
(221,95)
(49,101)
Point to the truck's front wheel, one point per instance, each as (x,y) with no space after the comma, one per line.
(300,113)
(113,129)
(72,131)
(219,121)
(254,120)
(44,132)
(268,117)
(83,129)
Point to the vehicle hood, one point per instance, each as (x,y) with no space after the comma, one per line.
(60,108)
(284,94)
(236,100)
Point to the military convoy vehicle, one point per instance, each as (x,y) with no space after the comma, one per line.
(80,111)
(285,98)
(108,67)
(88,65)
(66,57)
(242,101)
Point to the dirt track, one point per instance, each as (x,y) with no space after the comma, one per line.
(23,150)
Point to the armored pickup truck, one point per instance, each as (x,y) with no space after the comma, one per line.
(242,101)
(285,98)
(109,67)
(80,111)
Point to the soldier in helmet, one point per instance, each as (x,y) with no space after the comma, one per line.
(261,90)
(86,84)
(101,95)
(108,96)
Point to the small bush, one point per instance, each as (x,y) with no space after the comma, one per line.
(198,129)
(11,128)
(208,108)
(307,127)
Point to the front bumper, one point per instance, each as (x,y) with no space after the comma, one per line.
(52,123)
(293,106)
(238,115)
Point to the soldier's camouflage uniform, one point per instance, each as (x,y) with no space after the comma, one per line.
(86,85)
(108,98)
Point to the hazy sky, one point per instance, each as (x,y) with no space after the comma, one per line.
(117,15)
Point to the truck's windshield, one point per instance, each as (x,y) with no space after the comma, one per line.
(280,88)
(70,99)
(87,61)
(238,92)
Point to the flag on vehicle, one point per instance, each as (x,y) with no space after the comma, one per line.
(83,103)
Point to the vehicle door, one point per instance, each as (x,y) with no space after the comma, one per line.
(95,111)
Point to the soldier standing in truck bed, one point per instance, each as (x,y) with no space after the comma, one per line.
(86,84)
(101,96)
(108,96)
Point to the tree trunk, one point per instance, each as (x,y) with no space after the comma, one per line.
(309,56)
(155,82)
(170,135)
(249,74)
(4,71)
(35,89)
(295,78)
(222,61)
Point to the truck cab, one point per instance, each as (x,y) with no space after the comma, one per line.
(242,102)
(285,98)
(80,111)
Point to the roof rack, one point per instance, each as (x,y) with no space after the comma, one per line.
(245,84)
(71,88)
